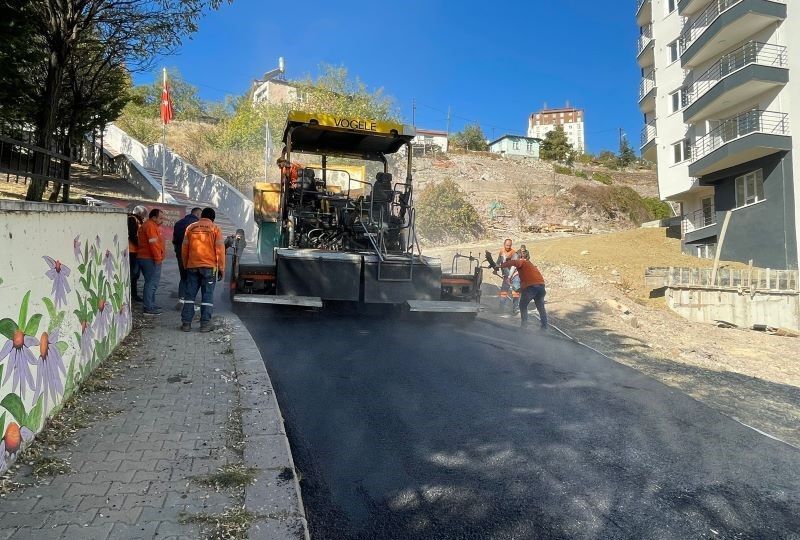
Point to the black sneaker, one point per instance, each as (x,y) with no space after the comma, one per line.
(206,328)
(186,327)
(153,312)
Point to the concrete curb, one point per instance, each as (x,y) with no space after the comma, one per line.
(276,492)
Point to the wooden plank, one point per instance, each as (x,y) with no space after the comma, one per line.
(284,300)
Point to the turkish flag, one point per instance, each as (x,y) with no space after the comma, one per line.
(167,112)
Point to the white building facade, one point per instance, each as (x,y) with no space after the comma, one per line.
(571,119)
(516,146)
(717,105)
(429,138)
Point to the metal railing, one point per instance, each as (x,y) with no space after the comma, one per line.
(645,37)
(705,217)
(752,52)
(648,132)
(647,83)
(751,279)
(22,160)
(639,4)
(754,121)
(698,25)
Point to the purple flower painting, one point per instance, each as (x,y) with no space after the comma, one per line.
(87,342)
(102,320)
(108,264)
(50,372)
(76,248)
(21,359)
(123,318)
(58,273)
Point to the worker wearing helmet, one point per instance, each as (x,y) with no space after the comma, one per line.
(203,254)
(135,219)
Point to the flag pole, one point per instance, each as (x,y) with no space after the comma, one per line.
(164,146)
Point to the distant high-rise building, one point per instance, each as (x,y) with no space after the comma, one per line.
(718,99)
(542,122)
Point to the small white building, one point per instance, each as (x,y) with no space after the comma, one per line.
(276,91)
(428,139)
(516,146)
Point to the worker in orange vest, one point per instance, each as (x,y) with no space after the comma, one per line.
(289,171)
(203,255)
(135,220)
(506,289)
(151,255)
(532,284)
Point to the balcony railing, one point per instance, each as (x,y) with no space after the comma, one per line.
(639,4)
(648,132)
(705,217)
(647,84)
(699,24)
(752,52)
(645,37)
(755,121)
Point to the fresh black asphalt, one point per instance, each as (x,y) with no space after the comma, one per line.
(409,430)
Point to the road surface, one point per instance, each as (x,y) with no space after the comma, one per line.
(429,431)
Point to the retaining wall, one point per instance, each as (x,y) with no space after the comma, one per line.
(779,309)
(191,181)
(64,290)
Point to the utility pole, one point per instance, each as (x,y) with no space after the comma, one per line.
(448,121)
(621,136)
(414,112)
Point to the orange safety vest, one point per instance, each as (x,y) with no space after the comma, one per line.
(151,242)
(203,246)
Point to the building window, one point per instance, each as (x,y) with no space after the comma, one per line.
(515,145)
(681,151)
(706,251)
(708,211)
(672,48)
(671,5)
(530,146)
(750,188)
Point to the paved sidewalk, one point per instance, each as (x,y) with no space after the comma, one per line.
(183,405)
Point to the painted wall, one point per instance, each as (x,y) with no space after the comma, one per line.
(64,290)
(779,310)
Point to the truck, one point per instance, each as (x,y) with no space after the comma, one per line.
(326,236)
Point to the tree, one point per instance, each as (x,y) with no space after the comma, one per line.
(556,146)
(471,138)
(626,153)
(134,30)
(444,213)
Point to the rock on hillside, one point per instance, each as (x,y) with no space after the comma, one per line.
(520,195)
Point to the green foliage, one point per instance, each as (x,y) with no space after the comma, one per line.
(613,201)
(626,154)
(556,146)
(658,209)
(581,174)
(560,169)
(470,138)
(145,100)
(603,178)
(445,214)
(585,158)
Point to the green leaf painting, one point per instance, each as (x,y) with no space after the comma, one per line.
(7,328)
(34,418)
(62,347)
(13,404)
(32,327)
(23,310)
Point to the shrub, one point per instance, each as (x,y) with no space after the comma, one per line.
(581,174)
(444,214)
(603,178)
(560,169)
(584,158)
(612,201)
(658,209)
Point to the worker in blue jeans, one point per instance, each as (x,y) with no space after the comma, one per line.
(203,255)
(532,289)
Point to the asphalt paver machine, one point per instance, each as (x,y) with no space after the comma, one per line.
(326,236)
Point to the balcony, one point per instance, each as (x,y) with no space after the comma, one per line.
(699,219)
(687,8)
(745,137)
(648,146)
(647,92)
(644,11)
(723,23)
(645,48)
(737,77)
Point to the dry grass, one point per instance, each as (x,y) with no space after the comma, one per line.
(229,476)
(233,524)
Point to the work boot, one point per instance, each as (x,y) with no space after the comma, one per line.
(136,297)
(186,327)
(205,327)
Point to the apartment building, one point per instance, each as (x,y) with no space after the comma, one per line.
(572,119)
(718,104)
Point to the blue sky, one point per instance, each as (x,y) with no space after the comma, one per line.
(491,62)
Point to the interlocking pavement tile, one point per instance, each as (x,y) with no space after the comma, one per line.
(100,532)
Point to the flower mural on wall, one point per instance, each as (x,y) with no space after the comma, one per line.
(50,370)
(17,350)
(34,379)
(58,273)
